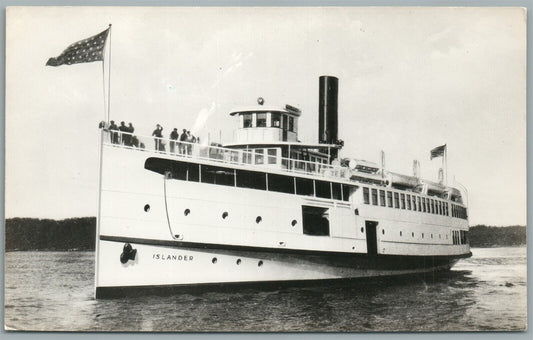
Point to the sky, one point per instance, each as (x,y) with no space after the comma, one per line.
(410,79)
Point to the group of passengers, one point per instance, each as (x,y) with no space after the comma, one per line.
(183,141)
(125,136)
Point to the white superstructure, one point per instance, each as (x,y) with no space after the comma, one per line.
(265,208)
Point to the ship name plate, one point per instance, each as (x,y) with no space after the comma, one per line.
(171,257)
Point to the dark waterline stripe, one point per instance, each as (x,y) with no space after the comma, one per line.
(197,245)
(164,290)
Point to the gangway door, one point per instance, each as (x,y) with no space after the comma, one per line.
(371,238)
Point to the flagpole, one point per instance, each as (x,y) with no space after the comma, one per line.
(100,169)
(109,78)
(103,91)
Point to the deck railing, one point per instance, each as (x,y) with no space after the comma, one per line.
(221,154)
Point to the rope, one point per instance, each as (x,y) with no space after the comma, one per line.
(165,177)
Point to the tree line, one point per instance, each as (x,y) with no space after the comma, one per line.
(80,234)
(483,236)
(45,234)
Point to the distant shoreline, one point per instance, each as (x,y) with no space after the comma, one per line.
(79,234)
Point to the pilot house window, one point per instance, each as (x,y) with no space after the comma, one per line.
(247,120)
(275,120)
(261,120)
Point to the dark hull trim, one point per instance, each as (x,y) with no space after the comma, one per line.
(392,261)
(229,287)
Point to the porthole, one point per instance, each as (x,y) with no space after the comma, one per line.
(214,260)
(413,234)
(238,261)
(400,233)
(258,219)
(187,212)
(383,231)
(224,214)
(147,208)
(293,223)
(362,229)
(260,263)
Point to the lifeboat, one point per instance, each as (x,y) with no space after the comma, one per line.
(402,181)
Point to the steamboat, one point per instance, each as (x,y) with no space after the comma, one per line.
(265,209)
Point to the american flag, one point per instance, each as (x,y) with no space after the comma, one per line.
(83,51)
(438,151)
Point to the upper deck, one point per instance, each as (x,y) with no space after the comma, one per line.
(268,158)
(265,158)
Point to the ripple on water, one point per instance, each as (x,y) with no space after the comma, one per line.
(54,291)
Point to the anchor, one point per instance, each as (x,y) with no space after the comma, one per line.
(128,253)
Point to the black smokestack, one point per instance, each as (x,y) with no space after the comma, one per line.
(327,110)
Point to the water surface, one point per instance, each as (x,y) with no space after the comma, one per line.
(53,291)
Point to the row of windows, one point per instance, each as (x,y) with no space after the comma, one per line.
(410,202)
(258,156)
(460,237)
(459,212)
(262,120)
(249,179)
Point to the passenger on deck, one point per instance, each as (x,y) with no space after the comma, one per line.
(183,138)
(189,139)
(135,141)
(128,137)
(114,135)
(158,134)
(174,135)
(123,128)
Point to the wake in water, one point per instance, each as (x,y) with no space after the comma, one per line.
(485,292)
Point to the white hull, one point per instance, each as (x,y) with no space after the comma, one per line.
(178,267)
(178,231)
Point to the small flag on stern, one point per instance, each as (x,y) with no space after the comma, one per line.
(438,151)
(83,51)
